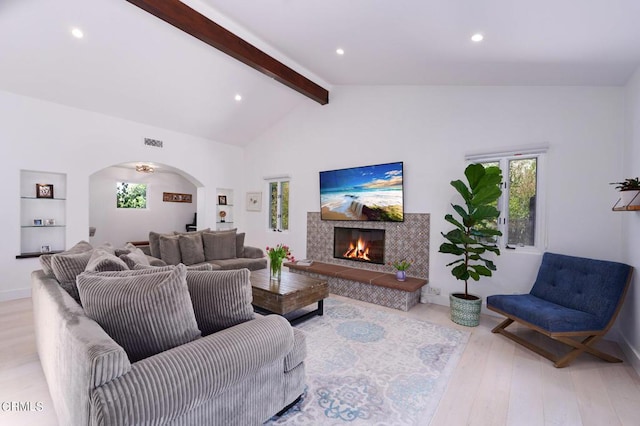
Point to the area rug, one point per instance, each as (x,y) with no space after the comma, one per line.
(366,366)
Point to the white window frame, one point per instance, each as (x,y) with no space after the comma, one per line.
(503,158)
(279,180)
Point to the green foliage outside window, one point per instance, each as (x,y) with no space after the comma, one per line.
(279,205)
(131,195)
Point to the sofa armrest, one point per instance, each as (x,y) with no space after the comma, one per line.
(167,385)
(253,252)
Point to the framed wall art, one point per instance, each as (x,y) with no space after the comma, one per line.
(172,197)
(222,200)
(254,201)
(44,190)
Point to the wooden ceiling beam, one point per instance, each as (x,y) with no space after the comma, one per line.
(199,26)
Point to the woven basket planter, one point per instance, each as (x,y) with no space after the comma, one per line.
(463,311)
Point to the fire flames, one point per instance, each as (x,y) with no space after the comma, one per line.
(357,250)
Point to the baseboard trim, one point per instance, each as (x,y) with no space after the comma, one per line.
(15,294)
(632,355)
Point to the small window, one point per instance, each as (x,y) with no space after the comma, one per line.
(279,205)
(520,219)
(131,195)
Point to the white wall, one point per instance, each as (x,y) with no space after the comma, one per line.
(39,135)
(118,226)
(629,321)
(431,129)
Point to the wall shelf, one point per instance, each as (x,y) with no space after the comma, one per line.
(626,208)
(36,240)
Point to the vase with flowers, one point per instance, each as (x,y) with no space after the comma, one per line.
(277,255)
(401,267)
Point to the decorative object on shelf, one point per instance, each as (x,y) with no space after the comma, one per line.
(222,215)
(472,237)
(37,222)
(45,249)
(629,193)
(401,268)
(49,222)
(276,256)
(222,200)
(44,190)
(254,201)
(144,168)
(173,197)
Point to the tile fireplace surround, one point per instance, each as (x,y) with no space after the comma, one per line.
(403,240)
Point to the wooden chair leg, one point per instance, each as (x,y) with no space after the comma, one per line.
(504,324)
(579,347)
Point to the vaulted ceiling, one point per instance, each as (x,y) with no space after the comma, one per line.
(132,65)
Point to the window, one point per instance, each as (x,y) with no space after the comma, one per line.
(131,195)
(520,205)
(279,205)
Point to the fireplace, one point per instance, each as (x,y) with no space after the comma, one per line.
(358,244)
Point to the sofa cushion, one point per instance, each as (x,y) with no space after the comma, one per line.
(245,262)
(221,299)
(170,249)
(191,248)
(45,259)
(199,267)
(240,244)
(102,260)
(146,314)
(66,267)
(219,245)
(134,257)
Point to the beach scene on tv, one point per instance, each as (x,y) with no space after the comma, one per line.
(371,193)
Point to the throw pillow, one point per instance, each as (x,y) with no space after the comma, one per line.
(145,314)
(170,249)
(66,267)
(219,245)
(191,248)
(240,245)
(200,267)
(221,299)
(154,243)
(101,260)
(45,263)
(134,257)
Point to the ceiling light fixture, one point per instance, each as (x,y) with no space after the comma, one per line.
(340,51)
(238,97)
(77,33)
(144,168)
(477,38)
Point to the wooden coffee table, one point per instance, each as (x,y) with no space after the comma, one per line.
(293,292)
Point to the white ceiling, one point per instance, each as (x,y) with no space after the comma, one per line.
(134,66)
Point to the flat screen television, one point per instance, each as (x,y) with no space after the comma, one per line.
(367,193)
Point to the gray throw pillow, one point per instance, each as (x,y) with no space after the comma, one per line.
(154,243)
(134,257)
(170,249)
(67,266)
(221,299)
(219,245)
(45,263)
(200,267)
(146,314)
(101,260)
(191,248)
(240,244)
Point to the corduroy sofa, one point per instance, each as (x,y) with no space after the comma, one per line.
(243,370)
(221,249)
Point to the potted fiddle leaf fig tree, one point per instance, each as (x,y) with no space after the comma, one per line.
(473,237)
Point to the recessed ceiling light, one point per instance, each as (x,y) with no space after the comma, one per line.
(340,51)
(477,38)
(77,33)
(238,97)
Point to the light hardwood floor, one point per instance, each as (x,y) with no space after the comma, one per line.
(495,383)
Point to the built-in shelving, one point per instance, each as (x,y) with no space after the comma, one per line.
(224,209)
(42,219)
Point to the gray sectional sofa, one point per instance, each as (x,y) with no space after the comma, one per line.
(160,346)
(221,249)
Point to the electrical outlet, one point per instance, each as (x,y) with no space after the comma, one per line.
(434,290)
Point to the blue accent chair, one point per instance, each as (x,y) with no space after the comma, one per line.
(574,300)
